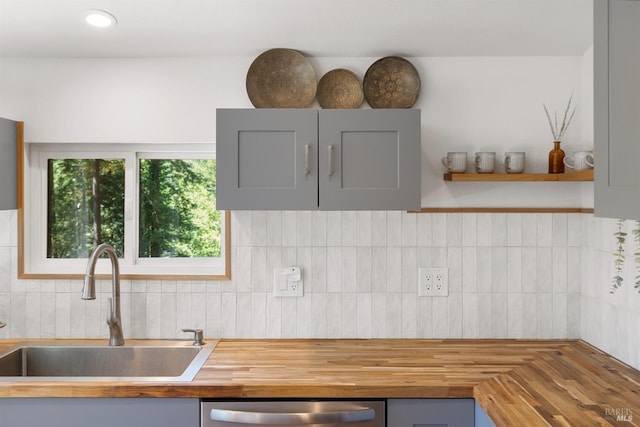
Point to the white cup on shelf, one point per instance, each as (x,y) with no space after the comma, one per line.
(514,161)
(579,160)
(590,160)
(455,162)
(485,161)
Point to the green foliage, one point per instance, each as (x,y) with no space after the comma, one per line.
(72,219)
(618,255)
(178,216)
(636,255)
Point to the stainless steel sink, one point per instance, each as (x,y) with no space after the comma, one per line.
(89,361)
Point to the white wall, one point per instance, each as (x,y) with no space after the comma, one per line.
(468,104)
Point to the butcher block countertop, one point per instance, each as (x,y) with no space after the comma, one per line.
(516,382)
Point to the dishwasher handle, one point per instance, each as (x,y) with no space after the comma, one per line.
(293,418)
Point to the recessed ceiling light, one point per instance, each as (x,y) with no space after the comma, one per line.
(99,18)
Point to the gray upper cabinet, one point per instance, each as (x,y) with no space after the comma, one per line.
(617,108)
(331,159)
(8,174)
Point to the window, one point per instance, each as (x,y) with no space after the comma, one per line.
(155,204)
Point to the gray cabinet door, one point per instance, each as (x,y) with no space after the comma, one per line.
(369,159)
(617,108)
(99,412)
(430,412)
(267,159)
(8,176)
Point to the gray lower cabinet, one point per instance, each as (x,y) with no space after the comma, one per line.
(481,418)
(430,412)
(329,159)
(8,175)
(617,108)
(107,412)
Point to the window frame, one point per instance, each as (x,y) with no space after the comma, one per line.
(32,213)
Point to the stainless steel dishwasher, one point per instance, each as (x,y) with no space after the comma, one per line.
(293,413)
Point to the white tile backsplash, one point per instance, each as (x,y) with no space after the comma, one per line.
(499,229)
(455,316)
(529,315)
(484,264)
(500,315)
(559,230)
(608,321)
(439,229)
(499,269)
(469,229)
(484,229)
(349,315)
(470,315)
(514,270)
(510,276)
(514,230)
(454,229)
(529,230)
(469,271)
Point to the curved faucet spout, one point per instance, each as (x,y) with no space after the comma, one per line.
(114,319)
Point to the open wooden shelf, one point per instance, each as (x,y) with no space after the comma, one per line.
(504,210)
(586,175)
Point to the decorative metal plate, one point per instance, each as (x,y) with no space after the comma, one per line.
(281,78)
(391,82)
(340,88)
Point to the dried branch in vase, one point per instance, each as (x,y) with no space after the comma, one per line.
(558,132)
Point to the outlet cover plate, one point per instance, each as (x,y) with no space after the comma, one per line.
(287,282)
(433,282)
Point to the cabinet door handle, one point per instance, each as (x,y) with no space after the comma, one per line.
(330,152)
(292,418)
(306,159)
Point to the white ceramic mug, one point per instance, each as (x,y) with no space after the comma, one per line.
(455,162)
(579,161)
(514,161)
(485,162)
(590,160)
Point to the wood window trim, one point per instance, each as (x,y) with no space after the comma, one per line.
(22,274)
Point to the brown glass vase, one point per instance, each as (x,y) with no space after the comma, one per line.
(556,157)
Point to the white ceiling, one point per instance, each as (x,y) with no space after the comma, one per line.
(321,28)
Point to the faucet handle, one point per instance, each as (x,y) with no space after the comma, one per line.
(198,336)
(2,325)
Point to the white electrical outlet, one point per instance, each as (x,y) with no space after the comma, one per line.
(287,282)
(433,282)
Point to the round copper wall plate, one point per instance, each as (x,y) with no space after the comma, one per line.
(340,88)
(281,78)
(391,82)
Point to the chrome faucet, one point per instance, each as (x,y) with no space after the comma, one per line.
(2,325)
(114,320)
